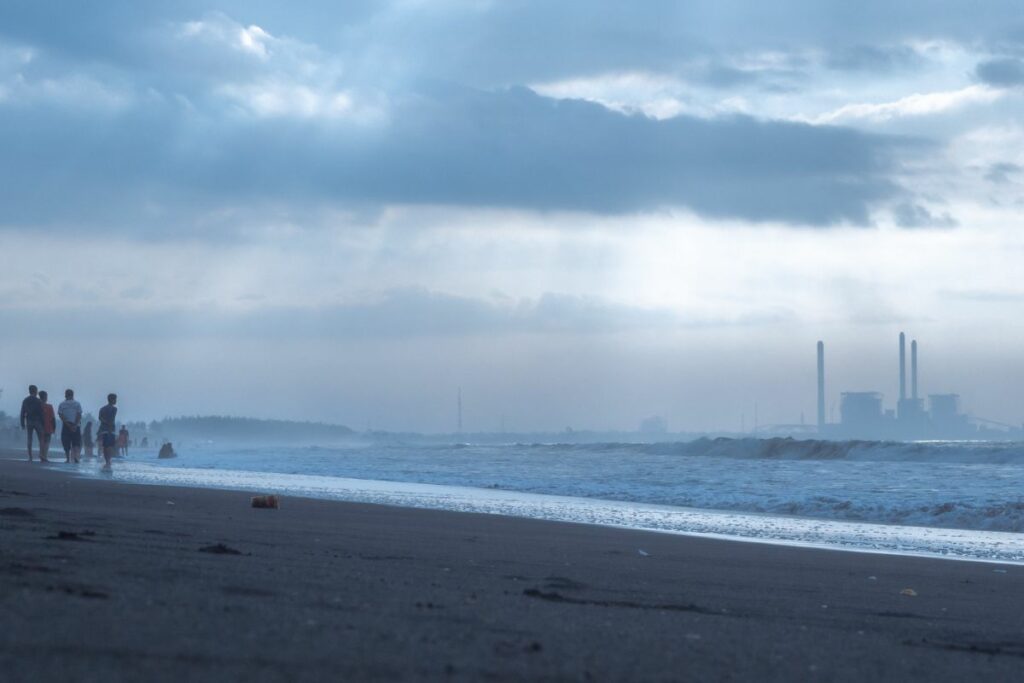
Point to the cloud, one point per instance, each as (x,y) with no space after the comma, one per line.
(254,109)
(1001,73)
(1002,171)
(912,215)
(985,296)
(873,58)
(918,104)
(160,166)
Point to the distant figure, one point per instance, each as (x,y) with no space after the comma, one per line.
(145,442)
(70,413)
(105,433)
(87,440)
(167,451)
(49,426)
(32,420)
(122,441)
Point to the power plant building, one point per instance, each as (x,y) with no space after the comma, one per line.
(863,414)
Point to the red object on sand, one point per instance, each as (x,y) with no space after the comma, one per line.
(270,501)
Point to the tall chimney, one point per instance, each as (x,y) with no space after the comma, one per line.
(821,387)
(913,369)
(903,367)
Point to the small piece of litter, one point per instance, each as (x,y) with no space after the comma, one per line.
(170,502)
(908,591)
(643,552)
(999,571)
(220,549)
(268,502)
(872,578)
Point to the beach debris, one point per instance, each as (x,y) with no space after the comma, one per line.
(80,591)
(554,596)
(909,591)
(266,502)
(71,536)
(563,583)
(999,571)
(643,553)
(219,549)
(872,578)
(170,502)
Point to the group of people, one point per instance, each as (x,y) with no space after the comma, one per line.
(37,417)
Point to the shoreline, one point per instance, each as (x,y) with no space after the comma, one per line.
(104,581)
(935,542)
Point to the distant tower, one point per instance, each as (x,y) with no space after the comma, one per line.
(460,410)
(903,367)
(913,369)
(821,387)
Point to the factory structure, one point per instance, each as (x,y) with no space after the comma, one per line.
(863,415)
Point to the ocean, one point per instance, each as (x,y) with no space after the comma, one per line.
(954,499)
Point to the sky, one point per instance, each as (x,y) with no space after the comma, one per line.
(581,214)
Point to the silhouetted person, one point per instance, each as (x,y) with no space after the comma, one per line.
(32,420)
(106,433)
(87,441)
(122,441)
(49,426)
(70,414)
(167,451)
(145,442)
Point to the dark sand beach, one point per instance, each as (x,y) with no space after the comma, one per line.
(101,581)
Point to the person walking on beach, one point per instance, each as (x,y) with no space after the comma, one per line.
(70,414)
(106,431)
(49,426)
(87,441)
(32,420)
(122,441)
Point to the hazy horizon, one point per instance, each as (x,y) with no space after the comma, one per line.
(582,217)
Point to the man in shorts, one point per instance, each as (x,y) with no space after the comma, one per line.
(70,414)
(32,420)
(107,432)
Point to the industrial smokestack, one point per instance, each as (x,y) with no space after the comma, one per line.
(821,387)
(913,369)
(903,367)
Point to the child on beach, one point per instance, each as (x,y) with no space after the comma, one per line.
(49,426)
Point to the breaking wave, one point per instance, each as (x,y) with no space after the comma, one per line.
(787,448)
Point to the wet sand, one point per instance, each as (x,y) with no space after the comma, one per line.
(103,581)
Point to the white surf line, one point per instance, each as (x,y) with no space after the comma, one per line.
(957,544)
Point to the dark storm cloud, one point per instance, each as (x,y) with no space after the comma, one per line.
(154,164)
(178,152)
(1003,73)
